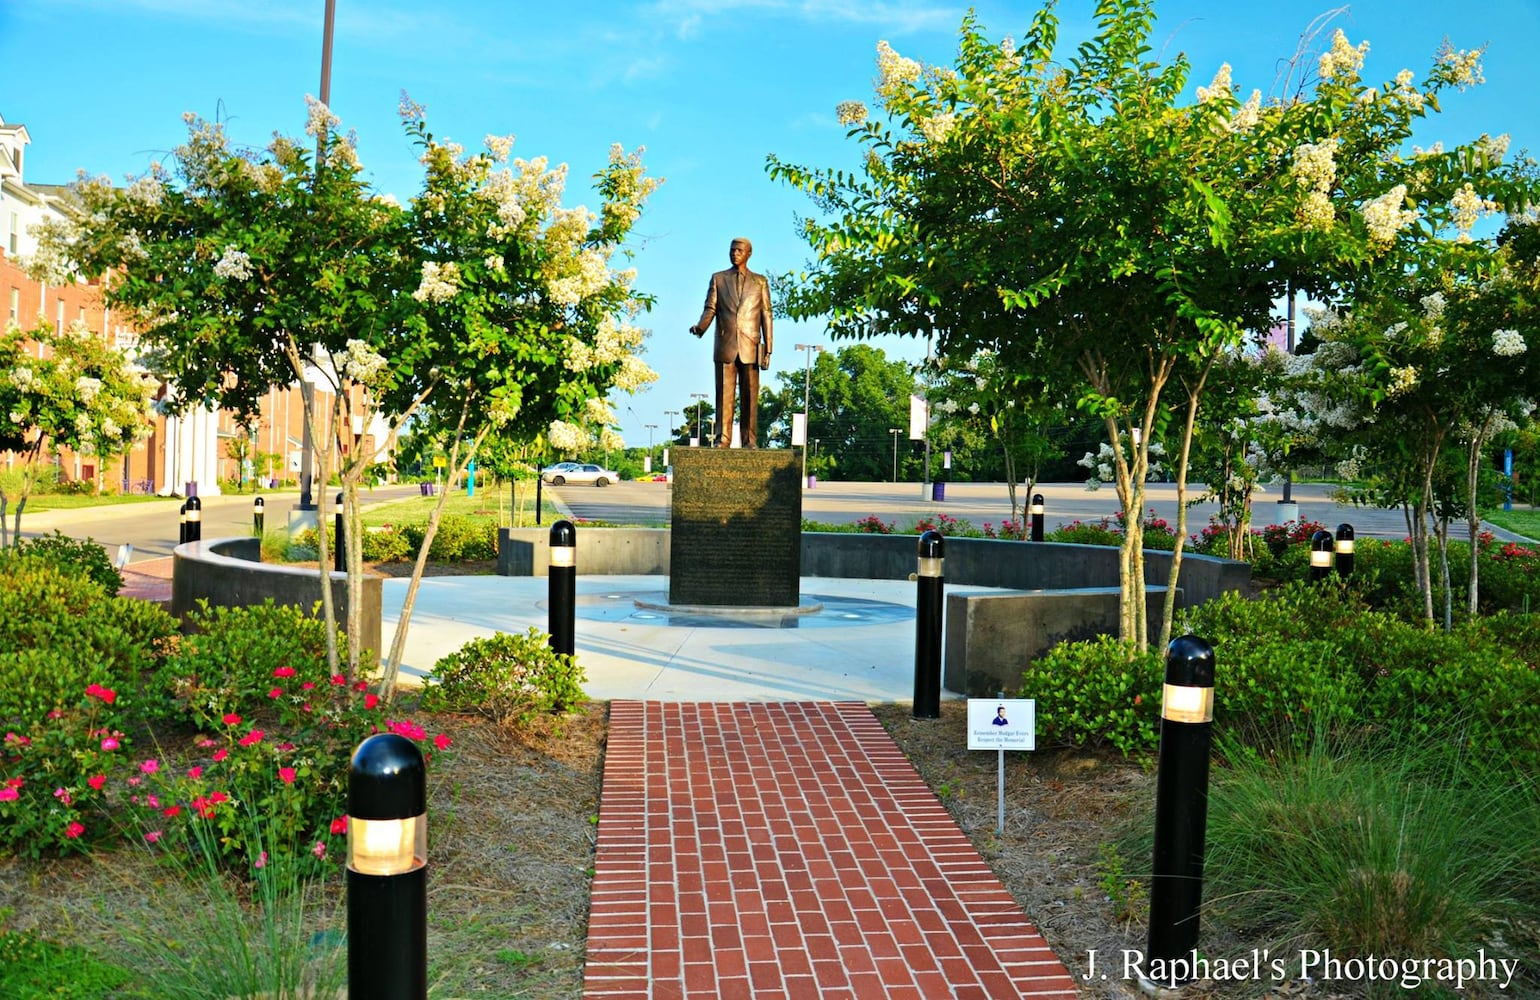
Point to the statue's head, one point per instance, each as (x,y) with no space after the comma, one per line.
(740,251)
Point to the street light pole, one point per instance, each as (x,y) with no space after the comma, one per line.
(807,381)
(697,396)
(307,391)
(650,429)
(895,432)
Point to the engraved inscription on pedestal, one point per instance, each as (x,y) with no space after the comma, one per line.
(737,528)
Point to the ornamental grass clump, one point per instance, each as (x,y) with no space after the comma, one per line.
(1373,845)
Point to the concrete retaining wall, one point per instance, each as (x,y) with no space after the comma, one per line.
(229,572)
(976,562)
(990,638)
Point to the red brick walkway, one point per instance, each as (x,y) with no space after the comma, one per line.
(148,580)
(789,850)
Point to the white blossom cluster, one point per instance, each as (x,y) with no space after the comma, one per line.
(1342,59)
(233,265)
(1219,89)
(894,71)
(566,437)
(1432,305)
(1508,343)
(1402,380)
(937,127)
(850,112)
(360,362)
(147,190)
(1462,66)
(1314,168)
(86,388)
(22,378)
(1407,91)
(1494,148)
(1466,208)
(1249,114)
(1104,468)
(612,343)
(318,117)
(1385,217)
(592,275)
(440,282)
(499,147)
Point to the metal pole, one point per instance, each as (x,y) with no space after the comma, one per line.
(339,556)
(1344,547)
(1037,517)
(927,627)
(562,586)
(181,525)
(387,877)
(258,516)
(894,431)
(1321,545)
(194,519)
(539,481)
(1181,799)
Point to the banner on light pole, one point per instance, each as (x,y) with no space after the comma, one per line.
(798,429)
(919,417)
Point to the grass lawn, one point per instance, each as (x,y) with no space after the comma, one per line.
(1524,521)
(75,501)
(491,504)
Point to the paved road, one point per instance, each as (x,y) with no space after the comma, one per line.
(903,504)
(151,527)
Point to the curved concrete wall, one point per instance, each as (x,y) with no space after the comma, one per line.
(979,562)
(229,572)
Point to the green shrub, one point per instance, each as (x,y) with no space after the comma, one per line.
(505,677)
(1095,693)
(1086,533)
(386,545)
(70,554)
(33,968)
(458,539)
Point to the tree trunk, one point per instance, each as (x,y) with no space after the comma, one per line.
(1168,611)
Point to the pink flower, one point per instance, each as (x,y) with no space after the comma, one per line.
(9,794)
(275,693)
(307,686)
(14,782)
(286,746)
(441,741)
(407,728)
(339,681)
(220,754)
(340,824)
(284,672)
(110,744)
(286,775)
(20,741)
(150,766)
(231,719)
(261,861)
(206,743)
(152,801)
(361,686)
(252,738)
(171,812)
(105,694)
(196,772)
(371,700)
(96,781)
(152,836)
(74,830)
(319,850)
(63,795)
(134,781)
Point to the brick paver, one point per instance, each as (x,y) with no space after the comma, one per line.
(789,850)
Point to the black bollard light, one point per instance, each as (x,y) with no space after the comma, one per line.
(927,627)
(538,481)
(339,556)
(194,519)
(1321,544)
(1037,517)
(387,877)
(1344,550)
(258,516)
(181,524)
(1181,802)
(563,586)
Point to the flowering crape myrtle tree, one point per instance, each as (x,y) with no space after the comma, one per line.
(85,395)
(1100,233)
(252,269)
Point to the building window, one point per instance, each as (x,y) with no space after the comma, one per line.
(15,233)
(16,305)
(59,317)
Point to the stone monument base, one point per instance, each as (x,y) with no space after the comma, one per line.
(737,528)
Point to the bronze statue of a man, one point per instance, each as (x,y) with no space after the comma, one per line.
(739,300)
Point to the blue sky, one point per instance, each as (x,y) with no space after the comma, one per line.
(710,87)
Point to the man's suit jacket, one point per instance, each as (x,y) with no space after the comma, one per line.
(744,323)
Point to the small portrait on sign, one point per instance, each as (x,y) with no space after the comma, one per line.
(1000,719)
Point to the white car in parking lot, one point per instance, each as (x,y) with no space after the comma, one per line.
(577,473)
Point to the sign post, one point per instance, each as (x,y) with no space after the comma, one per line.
(1002,724)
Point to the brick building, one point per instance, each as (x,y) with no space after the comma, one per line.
(194,448)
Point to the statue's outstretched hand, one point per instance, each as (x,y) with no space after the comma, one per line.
(696,330)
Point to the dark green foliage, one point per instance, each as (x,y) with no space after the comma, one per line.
(70,554)
(1096,693)
(458,539)
(32,968)
(505,677)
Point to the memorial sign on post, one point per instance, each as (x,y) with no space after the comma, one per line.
(1002,724)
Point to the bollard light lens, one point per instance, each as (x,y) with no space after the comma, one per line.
(930,566)
(1320,558)
(387,846)
(563,555)
(1037,508)
(1344,546)
(1181,703)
